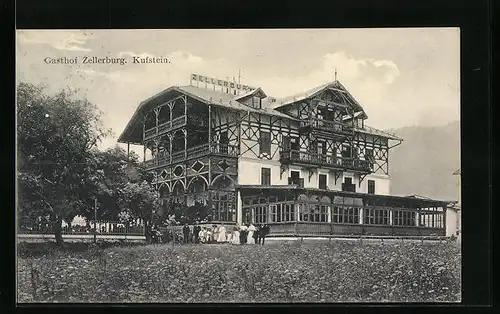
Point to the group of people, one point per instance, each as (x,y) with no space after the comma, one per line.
(244,234)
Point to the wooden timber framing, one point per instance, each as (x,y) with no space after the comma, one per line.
(195,146)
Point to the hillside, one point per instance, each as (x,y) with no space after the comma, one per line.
(424,163)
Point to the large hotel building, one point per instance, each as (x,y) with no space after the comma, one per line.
(307,164)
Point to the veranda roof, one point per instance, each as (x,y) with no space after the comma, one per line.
(404,201)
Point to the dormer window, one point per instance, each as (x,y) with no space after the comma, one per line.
(257,102)
(253,98)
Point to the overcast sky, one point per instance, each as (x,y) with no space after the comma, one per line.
(402,77)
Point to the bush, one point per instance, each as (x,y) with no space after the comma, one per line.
(337,272)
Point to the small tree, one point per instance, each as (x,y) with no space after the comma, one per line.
(141,200)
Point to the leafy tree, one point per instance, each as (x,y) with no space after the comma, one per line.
(60,170)
(55,137)
(109,172)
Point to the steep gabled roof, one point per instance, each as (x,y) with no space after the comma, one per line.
(258,91)
(373,131)
(335,86)
(225,100)
(206,96)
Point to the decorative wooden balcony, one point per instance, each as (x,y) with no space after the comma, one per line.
(334,129)
(165,127)
(324,161)
(219,149)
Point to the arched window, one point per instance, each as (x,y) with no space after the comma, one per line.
(164,191)
(149,152)
(178,108)
(150,120)
(164,146)
(197,185)
(178,141)
(164,115)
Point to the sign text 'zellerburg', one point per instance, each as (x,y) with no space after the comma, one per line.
(222,83)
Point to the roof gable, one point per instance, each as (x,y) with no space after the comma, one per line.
(256,92)
(203,95)
(335,87)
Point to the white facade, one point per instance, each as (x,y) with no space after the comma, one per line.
(454,213)
(249,173)
(454,222)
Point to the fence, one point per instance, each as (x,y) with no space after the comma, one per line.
(102,228)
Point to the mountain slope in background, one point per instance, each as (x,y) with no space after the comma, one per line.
(424,163)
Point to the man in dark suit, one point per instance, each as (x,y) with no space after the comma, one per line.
(186,231)
(264,231)
(259,237)
(256,234)
(196,232)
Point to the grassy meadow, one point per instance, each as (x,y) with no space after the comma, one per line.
(339,271)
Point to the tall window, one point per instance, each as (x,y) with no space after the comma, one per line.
(313,146)
(371,187)
(275,213)
(322,181)
(404,218)
(345,214)
(376,216)
(261,214)
(346,151)
(223,208)
(265,143)
(321,148)
(282,212)
(294,177)
(224,139)
(321,151)
(314,213)
(265,176)
(369,157)
(348,186)
(288,212)
(369,154)
(285,142)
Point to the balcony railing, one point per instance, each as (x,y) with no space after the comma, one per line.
(224,149)
(166,126)
(326,125)
(193,152)
(295,156)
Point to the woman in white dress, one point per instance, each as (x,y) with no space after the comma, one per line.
(251,230)
(222,234)
(215,233)
(236,234)
(201,235)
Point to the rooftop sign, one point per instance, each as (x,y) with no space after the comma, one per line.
(224,84)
